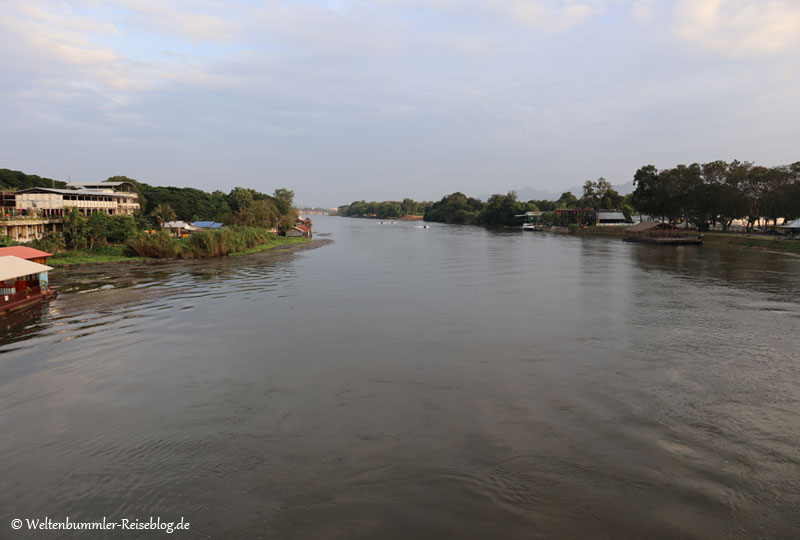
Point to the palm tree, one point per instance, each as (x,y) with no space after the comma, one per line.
(164,213)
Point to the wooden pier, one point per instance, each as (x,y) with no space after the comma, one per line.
(670,241)
(654,232)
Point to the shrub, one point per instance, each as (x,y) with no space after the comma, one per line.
(200,244)
(156,246)
(50,242)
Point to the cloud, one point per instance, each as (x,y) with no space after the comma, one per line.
(553,16)
(426,88)
(202,20)
(740,28)
(643,10)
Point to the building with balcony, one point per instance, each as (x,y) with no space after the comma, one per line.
(31,213)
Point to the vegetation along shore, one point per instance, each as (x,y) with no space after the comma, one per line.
(717,198)
(123,220)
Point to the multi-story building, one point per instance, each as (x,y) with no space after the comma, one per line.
(113,198)
(30,213)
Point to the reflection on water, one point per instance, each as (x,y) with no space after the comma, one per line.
(408,382)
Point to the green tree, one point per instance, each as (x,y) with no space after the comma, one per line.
(121,228)
(388,209)
(242,198)
(261,213)
(600,194)
(285,195)
(74,229)
(97,228)
(500,210)
(138,188)
(15,180)
(164,213)
(567,200)
(590,199)
(646,197)
(408,206)
(627,211)
(454,208)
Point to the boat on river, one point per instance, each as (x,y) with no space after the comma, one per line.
(532,221)
(23,283)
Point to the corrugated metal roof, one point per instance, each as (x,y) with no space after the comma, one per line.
(24,252)
(178,225)
(13,267)
(107,184)
(611,215)
(644,226)
(792,224)
(75,192)
(208,224)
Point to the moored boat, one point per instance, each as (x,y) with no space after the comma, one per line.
(23,283)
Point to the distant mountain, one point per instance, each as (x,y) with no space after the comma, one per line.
(527,194)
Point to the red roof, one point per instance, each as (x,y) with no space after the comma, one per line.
(23,252)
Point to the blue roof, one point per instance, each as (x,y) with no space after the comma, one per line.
(208,224)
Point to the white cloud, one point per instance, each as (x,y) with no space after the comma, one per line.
(549,16)
(464,83)
(52,52)
(643,10)
(207,20)
(739,28)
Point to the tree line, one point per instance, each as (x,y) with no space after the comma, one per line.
(16,180)
(719,193)
(708,194)
(501,210)
(383,210)
(242,207)
(239,206)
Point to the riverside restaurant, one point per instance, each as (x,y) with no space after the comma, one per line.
(22,283)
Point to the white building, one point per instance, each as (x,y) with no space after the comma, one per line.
(113,198)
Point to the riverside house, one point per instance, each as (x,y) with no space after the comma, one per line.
(179,229)
(208,225)
(27,253)
(612,217)
(302,228)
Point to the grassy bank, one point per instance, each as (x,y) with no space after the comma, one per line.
(118,254)
(102,254)
(205,244)
(786,245)
(274,242)
(771,243)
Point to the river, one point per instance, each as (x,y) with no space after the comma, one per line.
(394,381)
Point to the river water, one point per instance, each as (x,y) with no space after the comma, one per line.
(400,382)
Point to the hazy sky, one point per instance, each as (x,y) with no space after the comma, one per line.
(385,99)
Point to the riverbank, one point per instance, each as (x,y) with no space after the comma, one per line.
(117,254)
(404,218)
(279,241)
(780,244)
(101,255)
